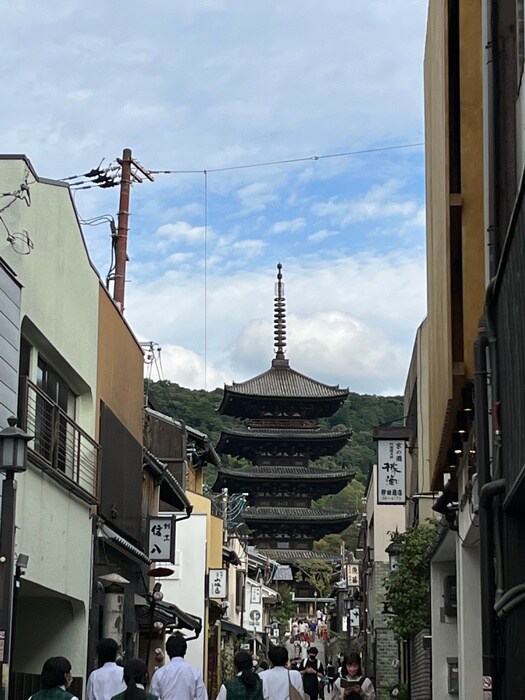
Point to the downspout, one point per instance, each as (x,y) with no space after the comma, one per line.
(489,127)
(486,536)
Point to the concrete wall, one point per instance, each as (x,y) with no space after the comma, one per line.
(120,367)
(60,286)
(9,343)
(444,632)
(59,312)
(186,587)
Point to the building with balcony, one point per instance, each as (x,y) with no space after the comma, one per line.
(44,255)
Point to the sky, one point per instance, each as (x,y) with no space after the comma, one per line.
(204,88)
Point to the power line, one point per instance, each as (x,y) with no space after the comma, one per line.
(304,159)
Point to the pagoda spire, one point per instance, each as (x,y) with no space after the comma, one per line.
(279,316)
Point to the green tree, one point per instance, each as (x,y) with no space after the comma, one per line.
(408,586)
(286,608)
(318,574)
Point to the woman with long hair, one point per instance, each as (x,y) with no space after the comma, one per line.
(353,685)
(135,678)
(246,685)
(55,678)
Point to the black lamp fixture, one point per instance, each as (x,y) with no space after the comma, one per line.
(13,448)
(13,455)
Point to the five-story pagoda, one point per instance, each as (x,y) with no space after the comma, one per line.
(280,435)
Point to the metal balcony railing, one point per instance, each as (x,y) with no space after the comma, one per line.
(59,441)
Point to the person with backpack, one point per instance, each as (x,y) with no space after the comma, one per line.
(246,685)
(312,671)
(353,685)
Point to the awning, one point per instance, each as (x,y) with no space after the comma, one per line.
(227,626)
(230,556)
(105,532)
(176,619)
(171,492)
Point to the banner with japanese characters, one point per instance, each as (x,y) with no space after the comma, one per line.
(161,539)
(391,472)
(218,583)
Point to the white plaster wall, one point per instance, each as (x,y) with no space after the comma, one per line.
(469,622)
(60,287)
(186,587)
(387,518)
(444,633)
(54,529)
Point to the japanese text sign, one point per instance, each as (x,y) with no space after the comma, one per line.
(352,574)
(161,542)
(217,583)
(391,472)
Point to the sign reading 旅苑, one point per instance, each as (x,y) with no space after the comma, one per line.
(391,472)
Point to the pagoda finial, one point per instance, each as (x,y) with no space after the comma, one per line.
(279,316)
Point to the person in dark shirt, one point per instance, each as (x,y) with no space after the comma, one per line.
(311,670)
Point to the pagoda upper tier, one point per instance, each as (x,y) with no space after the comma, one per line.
(259,444)
(281,392)
(266,482)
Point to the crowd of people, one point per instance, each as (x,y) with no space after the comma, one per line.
(178,680)
(307,629)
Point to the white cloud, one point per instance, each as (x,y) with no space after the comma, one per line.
(321,235)
(256,197)
(181,231)
(288,226)
(350,321)
(383,201)
(186,368)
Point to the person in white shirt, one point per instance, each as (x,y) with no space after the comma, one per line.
(277,680)
(108,679)
(178,680)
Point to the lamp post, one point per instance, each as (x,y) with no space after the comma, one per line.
(13,454)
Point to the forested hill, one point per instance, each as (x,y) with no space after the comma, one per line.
(361,412)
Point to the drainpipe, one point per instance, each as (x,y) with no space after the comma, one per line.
(486,535)
(489,127)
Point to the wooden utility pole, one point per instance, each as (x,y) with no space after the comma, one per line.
(121,255)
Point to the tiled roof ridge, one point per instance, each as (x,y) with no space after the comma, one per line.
(285,470)
(310,513)
(286,432)
(283,369)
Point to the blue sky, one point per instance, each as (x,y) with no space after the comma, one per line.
(216,84)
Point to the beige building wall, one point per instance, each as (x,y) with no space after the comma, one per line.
(121,367)
(59,311)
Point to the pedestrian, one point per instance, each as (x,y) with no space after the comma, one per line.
(278,682)
(331,674)
(311,670)
(178,680)
(135,678)
(108,679)
(353,685)
(246,685)
(54,679)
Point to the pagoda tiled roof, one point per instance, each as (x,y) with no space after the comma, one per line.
(286,472)
(284,382)
(313,515)
(291,555)
(287,433)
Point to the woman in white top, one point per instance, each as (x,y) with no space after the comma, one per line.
(352,684)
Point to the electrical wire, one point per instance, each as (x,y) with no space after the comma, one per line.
(286,161)
(205,280)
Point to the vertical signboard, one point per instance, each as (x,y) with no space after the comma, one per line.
(218,583)
(161,541)
(391,472)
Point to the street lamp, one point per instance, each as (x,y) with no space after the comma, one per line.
(13,454)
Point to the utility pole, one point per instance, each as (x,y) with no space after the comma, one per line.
(128,175)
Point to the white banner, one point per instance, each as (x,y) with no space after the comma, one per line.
(217,583)
(391,472)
